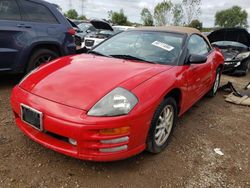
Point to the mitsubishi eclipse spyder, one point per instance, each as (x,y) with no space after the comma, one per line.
(122,97)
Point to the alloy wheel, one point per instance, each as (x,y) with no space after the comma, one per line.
(164,125)
(217,82)
(43,59)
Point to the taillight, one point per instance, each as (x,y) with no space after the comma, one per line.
(71,31)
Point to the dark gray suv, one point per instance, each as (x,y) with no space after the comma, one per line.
(32,32)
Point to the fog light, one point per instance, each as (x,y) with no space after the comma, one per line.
(115,131)
(115,141)
(115,149)
(72,141)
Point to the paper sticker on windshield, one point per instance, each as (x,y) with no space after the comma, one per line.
(163,45)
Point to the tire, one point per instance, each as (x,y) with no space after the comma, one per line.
(245,67)
(216,84)
(39,57)
(162,128)
(78,41)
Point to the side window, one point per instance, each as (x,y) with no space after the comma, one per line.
(35,12)
(198,45)
(9,10)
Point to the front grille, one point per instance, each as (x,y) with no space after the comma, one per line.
(89,43)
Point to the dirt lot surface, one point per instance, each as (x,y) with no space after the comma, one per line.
(189,160)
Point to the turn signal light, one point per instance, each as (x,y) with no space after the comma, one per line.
(115,131)
(72,141)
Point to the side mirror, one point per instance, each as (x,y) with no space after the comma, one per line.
(88,31)
(197,59)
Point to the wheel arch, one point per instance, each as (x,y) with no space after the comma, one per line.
(47,45)
(220,66)
(176,93)
(50,46)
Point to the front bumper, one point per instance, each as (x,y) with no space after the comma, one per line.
(61,123)
(94,42)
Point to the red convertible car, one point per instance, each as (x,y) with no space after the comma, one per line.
(121,98)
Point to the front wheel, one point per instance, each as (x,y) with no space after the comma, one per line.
(245,67)
(216,84)
(162,126)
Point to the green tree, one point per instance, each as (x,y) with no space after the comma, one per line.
(191,10)
(162,13)
(82,17)
(178,15)
(196,24)
(232,17)
(118,18)
(72,14)
(147,17)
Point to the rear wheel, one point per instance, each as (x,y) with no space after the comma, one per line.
(162,126)
(216,84)
(39,57)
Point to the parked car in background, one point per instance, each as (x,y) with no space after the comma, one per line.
(86,27)
(235,46)
(78,34)
(206,33)
(32,32)
(121,28)
(122,98)
(103,31)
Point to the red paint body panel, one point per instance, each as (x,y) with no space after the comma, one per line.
(81,128)
(66,89)
(88,78)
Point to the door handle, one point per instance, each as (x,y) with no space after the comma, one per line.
(23,26)
(20,25)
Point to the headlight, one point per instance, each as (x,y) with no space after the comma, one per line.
(243,55)
(118,102)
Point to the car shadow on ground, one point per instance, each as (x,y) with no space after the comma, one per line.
(9,80)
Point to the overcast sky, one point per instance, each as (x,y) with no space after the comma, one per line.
(132,8)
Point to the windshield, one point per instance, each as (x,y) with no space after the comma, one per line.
(229,43)
(156,47)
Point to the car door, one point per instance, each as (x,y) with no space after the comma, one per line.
(10,34)
(199,75)
(45,23)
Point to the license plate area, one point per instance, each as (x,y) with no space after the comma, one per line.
(32,117)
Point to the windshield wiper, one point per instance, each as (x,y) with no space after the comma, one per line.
(97,53)
(129,57)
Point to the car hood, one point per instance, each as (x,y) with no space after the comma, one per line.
(100,24)
(80,81)
(230,34)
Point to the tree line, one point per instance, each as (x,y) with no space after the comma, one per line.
(186,13)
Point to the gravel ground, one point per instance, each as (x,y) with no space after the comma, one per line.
(189,160)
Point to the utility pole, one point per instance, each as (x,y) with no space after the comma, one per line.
(82,6)
(70,4)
